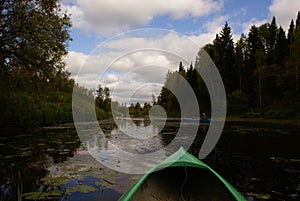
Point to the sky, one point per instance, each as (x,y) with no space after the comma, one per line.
(130,45)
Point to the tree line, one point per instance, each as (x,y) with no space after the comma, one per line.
(260,72)
(107,108)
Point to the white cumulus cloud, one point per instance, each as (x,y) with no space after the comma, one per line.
(131,68)
(106,17)
(284,11)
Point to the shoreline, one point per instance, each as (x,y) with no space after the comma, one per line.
(289,122)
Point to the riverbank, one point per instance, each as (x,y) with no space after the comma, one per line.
(287,122)
(230,119)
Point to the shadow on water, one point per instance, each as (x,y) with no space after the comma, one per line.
(25,158)
(261,161)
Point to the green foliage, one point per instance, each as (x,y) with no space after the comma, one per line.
(167,98)
(174,84)
(237,103)
(103,103)
(260,72)
(35,89)
(266,71)
(223,55)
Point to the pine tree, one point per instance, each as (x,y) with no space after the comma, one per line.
(224,53)
(240,54)
(295,54)
(291,34)
(254,48)
(281,53)
(181,67)
(271,41)
(281,47)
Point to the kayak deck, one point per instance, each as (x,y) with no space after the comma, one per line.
(182,177)
(182,183)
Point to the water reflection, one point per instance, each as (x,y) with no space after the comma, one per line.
(134,147)
(25,158)
(261,161)
(130,148)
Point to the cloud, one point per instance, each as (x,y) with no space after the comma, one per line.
(247,25)
(107,17)
(132,65)
(74,61)
(284,11)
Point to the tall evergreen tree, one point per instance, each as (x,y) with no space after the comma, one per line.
(240,53)
(226,64)
(107,100)
(281,48)
(281,53)
(271,41)
(181,67)
(295,54)
(291,33)
(254,46)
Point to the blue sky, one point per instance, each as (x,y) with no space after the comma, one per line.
(235,12)
(96,21)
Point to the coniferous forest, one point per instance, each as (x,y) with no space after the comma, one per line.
(260,71)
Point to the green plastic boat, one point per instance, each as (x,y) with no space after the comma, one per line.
(182,177)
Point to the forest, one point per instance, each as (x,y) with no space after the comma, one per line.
(35,88)
(260,71)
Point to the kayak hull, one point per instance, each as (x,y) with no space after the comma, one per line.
(182,177)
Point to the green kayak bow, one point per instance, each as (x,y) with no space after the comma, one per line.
(182,176)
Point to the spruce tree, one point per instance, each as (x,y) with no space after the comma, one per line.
(226,64)
(291,33)
(295,54)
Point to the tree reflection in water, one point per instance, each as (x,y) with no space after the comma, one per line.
(25,159)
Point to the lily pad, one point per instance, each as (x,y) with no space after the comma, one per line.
(75,168)
(260,196)
(42,195)
(56,181)
(102,174)
(50,149)
(81,189)
(24,148)
(104,183)
(66,150)
(9,156)
(25,154)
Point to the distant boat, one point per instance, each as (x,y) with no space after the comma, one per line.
(201,120)
(205,121)
(182,177)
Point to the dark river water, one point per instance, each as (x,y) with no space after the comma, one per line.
(262,161)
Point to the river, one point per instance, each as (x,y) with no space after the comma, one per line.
(262,161)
